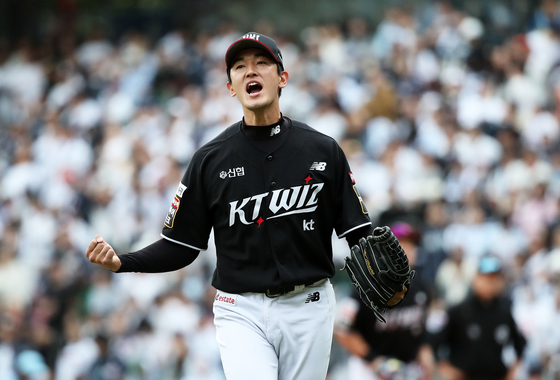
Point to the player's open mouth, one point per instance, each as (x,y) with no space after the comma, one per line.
(253,88)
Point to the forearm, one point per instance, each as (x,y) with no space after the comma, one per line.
(161,256)
(426,360)
(354,343)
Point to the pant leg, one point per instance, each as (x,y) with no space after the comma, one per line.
(304,323)
(240,331)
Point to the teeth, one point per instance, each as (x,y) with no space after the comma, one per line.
(253,84)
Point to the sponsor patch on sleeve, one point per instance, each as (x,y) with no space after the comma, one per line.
(180,190)
(364,209)
(170,218)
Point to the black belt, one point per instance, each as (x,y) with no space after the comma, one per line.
(281,290)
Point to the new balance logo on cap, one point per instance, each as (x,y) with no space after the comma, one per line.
(313,297)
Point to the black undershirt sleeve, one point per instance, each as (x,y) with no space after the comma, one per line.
(353,237)
(161,256)
(165,256)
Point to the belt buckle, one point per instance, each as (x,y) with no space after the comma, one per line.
(274,295)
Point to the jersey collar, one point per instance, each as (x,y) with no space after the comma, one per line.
(265,132)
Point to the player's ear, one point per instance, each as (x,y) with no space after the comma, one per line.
(230,89)
(283,79)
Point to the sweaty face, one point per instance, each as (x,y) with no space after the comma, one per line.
(255,80)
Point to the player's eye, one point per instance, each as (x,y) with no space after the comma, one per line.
(239,67)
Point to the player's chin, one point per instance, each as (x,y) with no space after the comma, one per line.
(258,99)
(256,104)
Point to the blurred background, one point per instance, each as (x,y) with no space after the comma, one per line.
(447,111)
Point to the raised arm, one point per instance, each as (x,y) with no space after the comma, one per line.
(158,257)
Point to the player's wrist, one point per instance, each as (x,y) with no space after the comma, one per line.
(117,264)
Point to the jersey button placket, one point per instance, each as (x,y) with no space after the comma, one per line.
(269,158)
(273,184)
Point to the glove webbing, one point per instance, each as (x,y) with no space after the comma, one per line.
(397,266)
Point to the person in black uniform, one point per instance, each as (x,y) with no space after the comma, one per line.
(402,345)
(478,329)
(273,190)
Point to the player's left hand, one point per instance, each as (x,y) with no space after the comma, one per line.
(397,298)
(379,269)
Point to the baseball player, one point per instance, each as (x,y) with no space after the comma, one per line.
(272,189)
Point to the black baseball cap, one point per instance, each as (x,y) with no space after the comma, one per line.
(254,40)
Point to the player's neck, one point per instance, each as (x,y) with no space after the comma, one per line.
(263,117)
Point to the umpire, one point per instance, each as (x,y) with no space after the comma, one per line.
(478,329)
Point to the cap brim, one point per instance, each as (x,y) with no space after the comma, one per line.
(489,265)
(246,43)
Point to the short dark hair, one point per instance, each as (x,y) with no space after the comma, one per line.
(279,69)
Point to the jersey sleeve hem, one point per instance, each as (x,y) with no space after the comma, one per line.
(352,229)
(186,245)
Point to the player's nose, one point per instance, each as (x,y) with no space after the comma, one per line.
(251,70)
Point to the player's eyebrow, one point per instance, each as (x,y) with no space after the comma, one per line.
(242,57)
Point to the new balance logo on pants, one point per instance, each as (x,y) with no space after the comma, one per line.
(313,297)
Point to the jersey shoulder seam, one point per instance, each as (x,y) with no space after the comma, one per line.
(217,141)
(309,129)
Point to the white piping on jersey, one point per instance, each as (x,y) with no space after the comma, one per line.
(186,245)
(352,229)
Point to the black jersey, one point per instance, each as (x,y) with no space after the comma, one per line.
(273,214)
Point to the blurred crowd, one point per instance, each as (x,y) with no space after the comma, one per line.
(456,136)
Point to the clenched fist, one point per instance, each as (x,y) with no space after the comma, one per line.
(100,252)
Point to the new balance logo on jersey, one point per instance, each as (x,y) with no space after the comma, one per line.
(283,202)
(274,130)
(318,166)
(313,297)
(308,226)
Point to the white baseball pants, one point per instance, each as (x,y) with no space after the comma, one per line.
(284,338)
